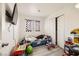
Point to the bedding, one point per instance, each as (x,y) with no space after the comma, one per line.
(39,40)
(43,41)
(31,39)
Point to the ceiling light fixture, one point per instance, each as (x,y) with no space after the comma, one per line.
(38,10)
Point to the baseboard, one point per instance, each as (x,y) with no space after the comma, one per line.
(60,47)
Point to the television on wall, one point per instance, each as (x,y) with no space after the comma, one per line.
(12,15)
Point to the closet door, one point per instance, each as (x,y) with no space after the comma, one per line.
(61,32)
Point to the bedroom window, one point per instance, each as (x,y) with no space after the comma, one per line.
(32,25)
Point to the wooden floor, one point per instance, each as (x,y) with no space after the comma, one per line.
(43,51)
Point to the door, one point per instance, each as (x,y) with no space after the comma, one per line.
(60,31)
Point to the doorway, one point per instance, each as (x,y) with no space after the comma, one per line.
(59,30)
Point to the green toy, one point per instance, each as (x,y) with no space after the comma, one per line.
(28,50)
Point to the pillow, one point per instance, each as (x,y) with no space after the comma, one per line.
(30,39)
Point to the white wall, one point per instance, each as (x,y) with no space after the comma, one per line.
(0,25)
(22,27)
(18,30)
(70,22)
(7,36)
(50,24)
(50,27)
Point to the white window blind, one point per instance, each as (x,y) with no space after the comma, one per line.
(32,25)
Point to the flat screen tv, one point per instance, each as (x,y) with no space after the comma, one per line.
(12,16)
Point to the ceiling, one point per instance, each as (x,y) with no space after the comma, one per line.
(41,9)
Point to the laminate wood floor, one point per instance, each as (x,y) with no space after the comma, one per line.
(43,51)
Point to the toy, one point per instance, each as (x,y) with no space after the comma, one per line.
(18,50)
(28,50)
(69,42)
(18,53)
(50,45)
(72,44)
